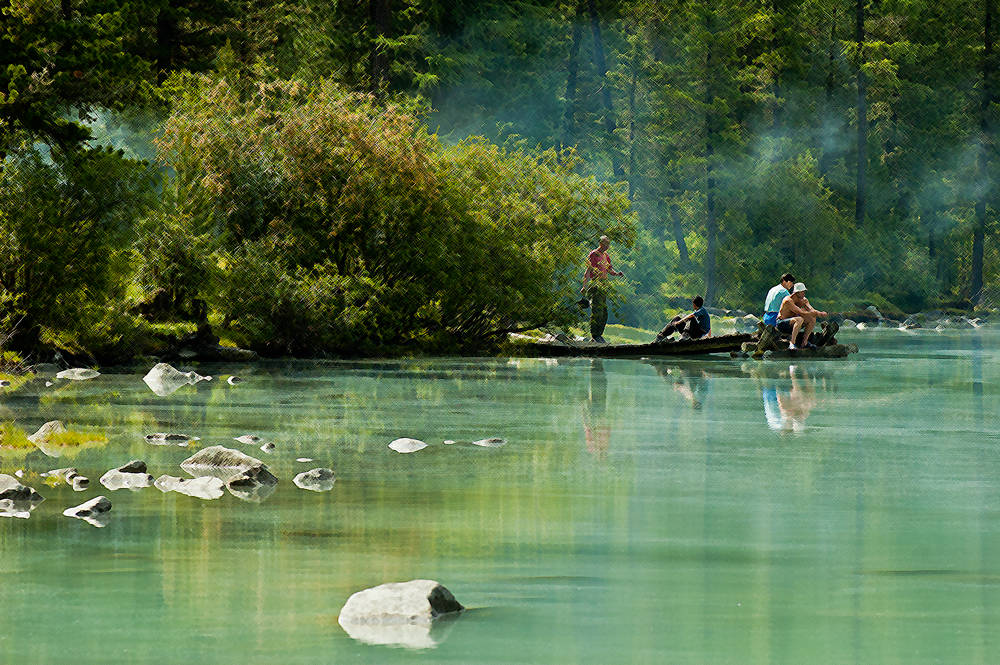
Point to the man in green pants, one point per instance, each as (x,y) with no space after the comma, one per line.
(598,269)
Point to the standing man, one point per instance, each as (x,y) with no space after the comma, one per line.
(598,269)
(772,303)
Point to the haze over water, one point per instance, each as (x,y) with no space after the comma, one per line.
(688,511)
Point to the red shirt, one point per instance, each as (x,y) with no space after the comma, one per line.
(599,265)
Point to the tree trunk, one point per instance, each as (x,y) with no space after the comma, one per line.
(380,15)
(862,114)
(166,43)
(826,152)
(633,84)
(682,248)
(983,161)
(711,225)
(602,71)
(572,71)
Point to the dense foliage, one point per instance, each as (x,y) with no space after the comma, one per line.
(358,176)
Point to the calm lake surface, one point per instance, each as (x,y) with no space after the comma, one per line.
(689,511)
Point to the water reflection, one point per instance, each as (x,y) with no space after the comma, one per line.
(789,397)
(691,383)
(596,426)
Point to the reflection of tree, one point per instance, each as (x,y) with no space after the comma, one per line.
(596,428)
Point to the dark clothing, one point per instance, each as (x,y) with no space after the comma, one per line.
(598,310)
(784,326)
(692,328)
(704,320)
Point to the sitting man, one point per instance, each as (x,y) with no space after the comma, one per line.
(797,314)
(695,325)
(772,303)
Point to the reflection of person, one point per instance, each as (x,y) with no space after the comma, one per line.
(692,385)
(797,314)
(596,429)
(695,325)
(598,269)
(787,412)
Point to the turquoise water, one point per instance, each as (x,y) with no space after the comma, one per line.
(695,511)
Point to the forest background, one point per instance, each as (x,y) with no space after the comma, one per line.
(367,177)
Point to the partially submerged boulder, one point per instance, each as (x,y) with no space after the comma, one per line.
(407,445)
(165,380)
(225,464)
(132,476)
(315,480)
(78,374)
(253,485)
(12,489)
(93,512)
(206,487)
(494,442)
(398,613)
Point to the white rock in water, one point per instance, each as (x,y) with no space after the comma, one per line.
(406,445)
(448,442)
(494,442)
(862,326)
(78,374)
(4,383)
(164,439)
(92,512)
(165,380)
(11,488)
(19,473)
(205,487)
(268,447)
(248,439)
(304,459)
(399,613)
(49,383)
(70,476)
(131,476)
(233,380)
(315,480)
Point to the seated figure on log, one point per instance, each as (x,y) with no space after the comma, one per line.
(696,325)
(795,315)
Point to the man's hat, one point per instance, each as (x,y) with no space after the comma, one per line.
(799,287)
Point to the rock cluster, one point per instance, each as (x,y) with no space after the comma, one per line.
(70,476)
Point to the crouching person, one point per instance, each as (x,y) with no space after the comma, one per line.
(696,325)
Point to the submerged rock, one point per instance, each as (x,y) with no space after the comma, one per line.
(94,512)
(70,476)
(19,509)
(406,445)
(132,476)
(206,487)
(494,442)
(233,380)
(315,480)
(398,613)
(165,380)
(268,447)
(164,439)
(78,374)
(248,439)
(45,369)
(304,459)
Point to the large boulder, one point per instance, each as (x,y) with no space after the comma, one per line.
(165,380)
(316,480)
(45,432)
(398,613)
(226,464)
